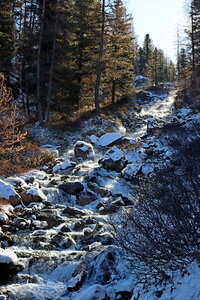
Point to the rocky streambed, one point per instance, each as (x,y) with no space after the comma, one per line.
(55,235)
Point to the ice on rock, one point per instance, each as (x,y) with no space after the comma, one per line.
(108,139)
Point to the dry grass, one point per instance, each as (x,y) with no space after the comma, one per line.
(31,156)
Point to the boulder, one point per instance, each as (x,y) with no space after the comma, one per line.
(72,188)
(9,265)
(109,139)
(33,195)
(114,160)
(8,195)
(73,211)
(85,198)
(83,150)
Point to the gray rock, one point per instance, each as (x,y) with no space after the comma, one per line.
(72,188)
(85,198)
(114,160)
(73,211)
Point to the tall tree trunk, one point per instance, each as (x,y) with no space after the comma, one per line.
(192,39)
(40,106)
(99,64)
(49,96)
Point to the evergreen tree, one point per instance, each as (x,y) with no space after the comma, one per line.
(120,51)
(148,49)
(6,35)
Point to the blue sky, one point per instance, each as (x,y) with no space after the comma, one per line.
(159,18)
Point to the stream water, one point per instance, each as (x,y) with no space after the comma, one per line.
(65,252)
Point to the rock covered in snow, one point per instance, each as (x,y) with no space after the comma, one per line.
(33,194)
(131,171)
(8,195)
(83,150)
(63,167)
(109,139)
(9,265)
(113,160)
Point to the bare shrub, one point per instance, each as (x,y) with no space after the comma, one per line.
(10,121)
(163,226)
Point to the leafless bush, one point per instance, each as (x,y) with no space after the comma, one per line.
(163,226)
(10,121)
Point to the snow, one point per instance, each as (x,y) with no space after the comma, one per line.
(147,169)
(7,190)
(7,256)
(62,166)
(36,192)
(131,170)
(93,138)
(114,153)
(183,287)
(15,181)
(94,292)
(109,138)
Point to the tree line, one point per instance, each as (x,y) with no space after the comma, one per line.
(188,53)
(72,53)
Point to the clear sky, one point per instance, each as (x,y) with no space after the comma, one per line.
(159,18)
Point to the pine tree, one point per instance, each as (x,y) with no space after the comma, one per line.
(120,51)
(6,35)
(148,49)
